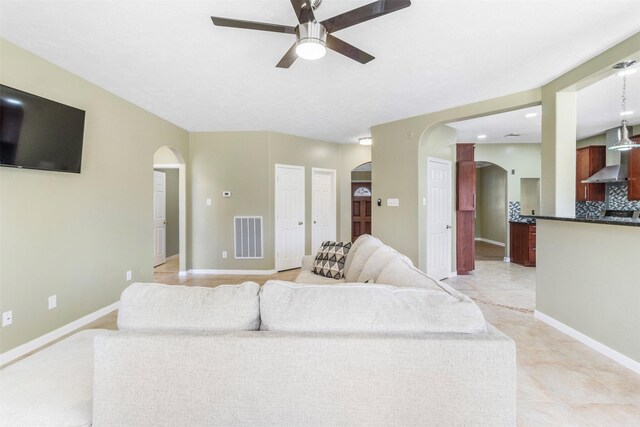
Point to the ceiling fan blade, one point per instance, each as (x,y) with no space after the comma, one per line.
(303,10)
(251,25)
(363,13)
(288,58)
(348,50)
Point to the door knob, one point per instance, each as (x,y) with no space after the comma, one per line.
(165,222)
(300,223)
(314,222)
(448,227)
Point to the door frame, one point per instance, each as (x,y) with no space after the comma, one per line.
(334,223)
(447,163)
(275,211)
(159,261)
(182,210)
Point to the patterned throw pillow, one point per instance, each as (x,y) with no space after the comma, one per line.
(330,259)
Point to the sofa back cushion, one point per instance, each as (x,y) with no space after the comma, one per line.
(354,248)
(376,262)
(362,308)
(152,306)
(360,257)
(400,272)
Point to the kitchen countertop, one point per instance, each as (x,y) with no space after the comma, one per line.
(528,220)
(608,221)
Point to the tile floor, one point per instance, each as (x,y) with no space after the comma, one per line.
(561,382)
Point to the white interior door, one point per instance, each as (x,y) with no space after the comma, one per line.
(439,218)
(323,206)
(159,218)
(289,205)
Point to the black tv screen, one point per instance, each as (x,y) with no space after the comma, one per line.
(37,133)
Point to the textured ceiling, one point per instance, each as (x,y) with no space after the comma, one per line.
(168,58)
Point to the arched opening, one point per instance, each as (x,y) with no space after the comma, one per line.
(491,214)
(170,219)
(361,200)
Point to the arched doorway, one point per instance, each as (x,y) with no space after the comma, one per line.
(491,214)
(170,248)
(360,200)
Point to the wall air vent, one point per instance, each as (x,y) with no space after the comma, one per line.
(247,231)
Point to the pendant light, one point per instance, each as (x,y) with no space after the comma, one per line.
(624,144)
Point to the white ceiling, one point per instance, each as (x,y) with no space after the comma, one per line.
(599,108)
(168,58)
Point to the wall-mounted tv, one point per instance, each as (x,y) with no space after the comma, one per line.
(37,133)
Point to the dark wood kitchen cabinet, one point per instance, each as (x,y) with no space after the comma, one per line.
(523,243)
(590,160)
(634,171)
(465,208)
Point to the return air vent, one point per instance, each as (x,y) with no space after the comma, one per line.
(247,231)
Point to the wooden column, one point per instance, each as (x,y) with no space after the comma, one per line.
(634,171)
(465,208)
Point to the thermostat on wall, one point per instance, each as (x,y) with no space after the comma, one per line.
(226,194)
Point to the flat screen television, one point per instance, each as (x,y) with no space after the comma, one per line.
(37,133)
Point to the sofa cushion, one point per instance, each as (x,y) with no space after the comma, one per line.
(329,261)
(360,257)
(354,248)
(310,277)
(362,308)
(376,262)
(401,273)
(152,306)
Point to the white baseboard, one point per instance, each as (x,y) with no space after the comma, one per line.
(612,354)
(493,242)
(23,349)
(183,273)
(453,274)
(239,272)
(506,259)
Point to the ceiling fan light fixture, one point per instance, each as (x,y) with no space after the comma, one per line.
(312,41)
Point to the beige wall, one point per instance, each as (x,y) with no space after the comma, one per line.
(523,159)
(491,203)
(587,278)
(72,235)
(244,163)
(592,140)
(398,156)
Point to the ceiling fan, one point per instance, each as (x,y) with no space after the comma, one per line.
(313,37)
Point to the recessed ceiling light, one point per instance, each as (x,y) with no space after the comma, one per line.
(627,113)
(529,115)
(367,140)
(482,136)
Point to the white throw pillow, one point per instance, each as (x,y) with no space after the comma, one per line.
(360,258)
(362,308)
(152,306)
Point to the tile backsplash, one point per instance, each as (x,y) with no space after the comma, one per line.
(617,199)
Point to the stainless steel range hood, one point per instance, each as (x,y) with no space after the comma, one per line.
(616,171)
(613,173)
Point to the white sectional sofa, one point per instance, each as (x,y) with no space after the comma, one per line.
(333,353)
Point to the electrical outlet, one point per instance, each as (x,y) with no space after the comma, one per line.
(128,275)
(208,202)
(224,254)
(53,302)
(7,318)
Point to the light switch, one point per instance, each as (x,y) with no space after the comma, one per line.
(208,202)
(393,202)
